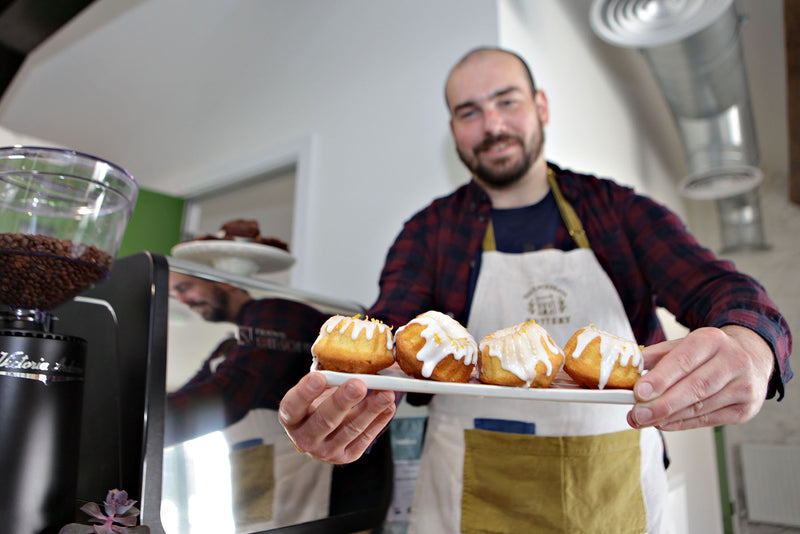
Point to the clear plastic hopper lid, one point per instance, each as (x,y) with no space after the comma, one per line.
(62,218)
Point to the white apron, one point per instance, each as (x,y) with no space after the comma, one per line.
(273,484)
(562,291)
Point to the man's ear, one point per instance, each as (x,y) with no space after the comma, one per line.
(542,106)
(229,288)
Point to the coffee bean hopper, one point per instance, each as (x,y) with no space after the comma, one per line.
(62,218)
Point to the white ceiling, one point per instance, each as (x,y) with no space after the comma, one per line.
(125,78)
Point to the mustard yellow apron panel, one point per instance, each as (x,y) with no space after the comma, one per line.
(515,483)
(253,484)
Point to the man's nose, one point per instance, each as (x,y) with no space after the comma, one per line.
(493,122)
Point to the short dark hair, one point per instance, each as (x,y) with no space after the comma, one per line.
(481,49)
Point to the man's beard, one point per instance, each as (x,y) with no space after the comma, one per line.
(504,175)
(217,315)
(212,313)
(217,307)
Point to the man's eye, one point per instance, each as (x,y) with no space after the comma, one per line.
(180,288)
(467,114)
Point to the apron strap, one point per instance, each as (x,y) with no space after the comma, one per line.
(574,226)
(568,215)
(488,238)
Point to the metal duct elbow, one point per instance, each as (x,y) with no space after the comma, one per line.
(694,51)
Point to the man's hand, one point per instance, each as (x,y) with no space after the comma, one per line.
(713,376)
(334,424)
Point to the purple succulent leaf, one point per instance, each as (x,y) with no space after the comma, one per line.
(104,529)
(128,521)
(132,511)
(76,528)
(123,509)
(93,509)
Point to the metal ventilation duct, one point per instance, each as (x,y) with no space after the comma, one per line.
(694,50)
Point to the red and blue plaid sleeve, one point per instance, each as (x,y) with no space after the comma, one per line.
(272,354)
(429,265)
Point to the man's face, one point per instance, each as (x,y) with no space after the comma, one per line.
(205,297)
(496,122)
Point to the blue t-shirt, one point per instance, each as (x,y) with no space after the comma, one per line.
(526,229)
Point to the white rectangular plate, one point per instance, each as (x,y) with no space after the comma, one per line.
(393,379)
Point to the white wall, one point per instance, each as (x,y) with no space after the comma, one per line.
(10,138)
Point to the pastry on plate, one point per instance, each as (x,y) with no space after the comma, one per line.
(523,355)
(435,346)
(353,345)
(599,360)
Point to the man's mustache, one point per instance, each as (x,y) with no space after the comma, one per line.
(487,143)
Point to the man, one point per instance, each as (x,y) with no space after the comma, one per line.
(522,228)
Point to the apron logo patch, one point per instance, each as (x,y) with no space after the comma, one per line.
(547,304)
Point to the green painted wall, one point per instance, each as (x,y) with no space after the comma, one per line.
(155,224)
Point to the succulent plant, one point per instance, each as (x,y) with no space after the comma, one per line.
(118,516)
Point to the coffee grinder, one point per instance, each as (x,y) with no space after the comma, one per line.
(62,218)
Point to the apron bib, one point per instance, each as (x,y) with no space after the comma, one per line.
(510,466)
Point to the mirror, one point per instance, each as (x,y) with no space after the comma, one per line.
(235,345)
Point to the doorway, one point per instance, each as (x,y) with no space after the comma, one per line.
(268,198)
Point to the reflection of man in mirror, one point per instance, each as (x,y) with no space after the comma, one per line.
(270,353)
(238,389)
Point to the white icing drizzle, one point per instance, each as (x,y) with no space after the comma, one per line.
(359,325)
(443,336)
(613,349)
(520,348)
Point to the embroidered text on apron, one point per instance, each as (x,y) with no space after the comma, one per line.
(575,456)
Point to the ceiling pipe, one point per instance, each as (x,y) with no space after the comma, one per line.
(694,50)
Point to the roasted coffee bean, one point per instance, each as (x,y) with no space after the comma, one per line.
(41,272)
